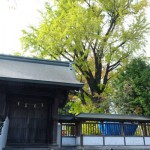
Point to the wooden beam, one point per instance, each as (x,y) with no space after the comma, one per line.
(54,121)
(2,103)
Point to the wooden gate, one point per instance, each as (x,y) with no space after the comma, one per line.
(28,123)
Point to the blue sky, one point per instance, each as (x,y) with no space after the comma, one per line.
(16,15)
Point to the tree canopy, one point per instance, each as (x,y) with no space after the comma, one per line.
(131,93)
(97,35)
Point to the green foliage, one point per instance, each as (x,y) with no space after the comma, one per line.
(132,89)
(77,106)
(98,35)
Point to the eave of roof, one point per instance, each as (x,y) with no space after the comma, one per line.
(34,60)
(104,117)
(66,118)
(33,70)
(112,117)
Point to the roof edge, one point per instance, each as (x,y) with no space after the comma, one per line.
(130,115)
(73,85)
(35,60)
(107,117)
(139,118)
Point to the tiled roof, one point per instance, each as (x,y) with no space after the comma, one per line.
(37,71)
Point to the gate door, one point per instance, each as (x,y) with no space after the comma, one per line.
(28,123)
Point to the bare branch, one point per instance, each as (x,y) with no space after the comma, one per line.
(66,57)
(112,24)
(122,43)
(88,3)
(106,76)
(115,64)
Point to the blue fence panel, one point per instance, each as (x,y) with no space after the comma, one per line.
(116,128)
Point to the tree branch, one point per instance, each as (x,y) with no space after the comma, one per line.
(115,65)
(122,43)
(88,3)
(112,24)
(105,77)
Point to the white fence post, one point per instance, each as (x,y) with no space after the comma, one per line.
(59,135)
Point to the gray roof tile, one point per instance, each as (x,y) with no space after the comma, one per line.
(37,70)
(112,117)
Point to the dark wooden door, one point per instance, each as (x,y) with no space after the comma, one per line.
(28,123)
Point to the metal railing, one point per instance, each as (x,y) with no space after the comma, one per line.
(105,133)
(68,129)
(90,128)
(107,129)
(116,129)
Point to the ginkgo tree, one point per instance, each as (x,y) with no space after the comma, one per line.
(97,35)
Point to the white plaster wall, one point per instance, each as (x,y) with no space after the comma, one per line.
(114,140)
(98,140)
(134,141)
(147,140)
(3,136)
(92,140)
(78,141)
(68,141)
